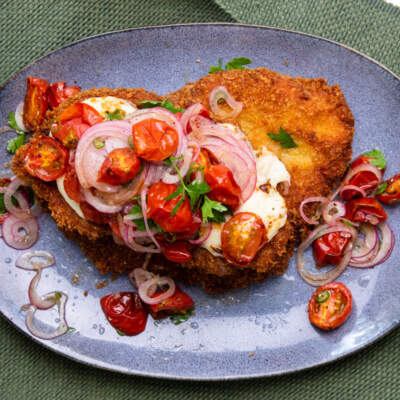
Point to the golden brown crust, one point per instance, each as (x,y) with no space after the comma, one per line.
(315,114)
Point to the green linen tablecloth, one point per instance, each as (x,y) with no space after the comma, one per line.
(32,28)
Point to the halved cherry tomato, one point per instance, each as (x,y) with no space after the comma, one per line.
(160,209)
(330,305)
(71,185)
(242,236)
(328,249)
(46,159)
(178,251)
(120,166)
(154,140)
(81,110)
(57,93)
(178,303)
(366,209)
(70,132)
(365,180)
(391,195)
(35,103)
(94,215)
(125,312)
(223,186)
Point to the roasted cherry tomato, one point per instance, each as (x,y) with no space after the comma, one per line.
(330,305)
(57,93)
(366,209)
(223,186)
(242,236)
(365,180)
(120,166)
(71,185)
(178,251)
(328,249)
(154,140)
(391,194)
(81,110)
(46,159)
(125,312)
(160,209)
(94,215)
(36,102)
(69,132)
(178,303)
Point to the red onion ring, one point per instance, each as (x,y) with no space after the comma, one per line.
(192,111)
(149,287)
(62,327)
(332,211)
(220,92)
(40,302)
(352,187)
(23,211)
(170,175)
(322,279)
(205,232)
(11,232)
(24,261)
(365,249)
(314,199)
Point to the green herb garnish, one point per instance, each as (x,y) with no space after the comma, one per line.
(139,222)
(179,318)
(376,158)
(14,144)
(236,63)
(164,104)
(283,138)
(114,115)
(381,188)
(99,142)
(13,123)
(213,211)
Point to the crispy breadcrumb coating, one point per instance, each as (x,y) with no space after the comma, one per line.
(313,113)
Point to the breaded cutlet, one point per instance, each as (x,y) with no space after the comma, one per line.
(315,114)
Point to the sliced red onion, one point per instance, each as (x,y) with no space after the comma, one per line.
(322,279)
(365,249)
(99,204)
(24,261)
(332,211)
(192,111)
(18,117)
(149,287)
(41,302)
(143,196)
(221,93)
(205,232)
(88,159)
(23,211)
(385,248)
(170,175)
(139,276)
(12,227)
(62,327)
(195,145)
(345,188)
(314,199)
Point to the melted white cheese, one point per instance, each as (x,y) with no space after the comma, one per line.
(269,205)
(72,203)
(110,104)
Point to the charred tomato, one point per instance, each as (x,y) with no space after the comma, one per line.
(391,191)
(366,209)
(328,249)
(36,102)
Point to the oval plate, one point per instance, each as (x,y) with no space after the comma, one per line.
(262,330)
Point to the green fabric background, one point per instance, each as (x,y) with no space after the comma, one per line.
(32,28)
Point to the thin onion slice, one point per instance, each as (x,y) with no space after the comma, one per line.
(24,261)
(40,302)
(149,287)
(23,211)
(332,211)
(205,232)
(221,93)
(192,111)
(345,188)
(322,279)
(18,117)
(62,327)
(313,199)
(365,249)
(12,227)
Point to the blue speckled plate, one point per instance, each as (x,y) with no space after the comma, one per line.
(259,331)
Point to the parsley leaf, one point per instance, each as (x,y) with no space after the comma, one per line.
(114,115)
(381,188)
(164,104)
(236,63)
(13,123)
(377,158)
(179,318)
(283,138)
(139,222)
(215,68)
(212,210)
(14,144)
(195,189)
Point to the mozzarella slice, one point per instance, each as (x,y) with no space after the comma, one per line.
(72,203)
(110,104)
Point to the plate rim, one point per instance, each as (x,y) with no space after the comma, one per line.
(231,377)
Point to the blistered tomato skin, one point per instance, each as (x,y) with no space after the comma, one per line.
(125,312)
(391,195)
(241,238)
(178,251)
(154,140)
(366,209)
(36,102)
(330,306)
(329,248)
